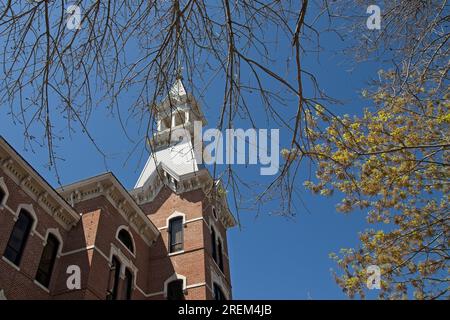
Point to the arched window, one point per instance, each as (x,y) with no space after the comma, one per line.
(2,195)
(175,290)
(213,244)
(128,284)
(18,238)
(125,237)
(218,293)
(114,277)
(47,262)
(176,234)
(220,254)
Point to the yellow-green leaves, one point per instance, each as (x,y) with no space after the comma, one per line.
(393,161)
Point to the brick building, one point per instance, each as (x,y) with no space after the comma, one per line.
(93,239)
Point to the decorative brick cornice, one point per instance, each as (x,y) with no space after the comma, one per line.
(201,179)
(36,187)
(186,183)
(108,186)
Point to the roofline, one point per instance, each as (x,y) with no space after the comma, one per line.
(81,182)
(111,177)
(28,167)
(201,172)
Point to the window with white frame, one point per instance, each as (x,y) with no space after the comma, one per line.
(18,238)
(47,262)
(176,234)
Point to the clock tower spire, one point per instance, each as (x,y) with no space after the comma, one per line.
(178,194)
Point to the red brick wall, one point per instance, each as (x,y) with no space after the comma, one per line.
(221,232)
(196,261)
(100,222)
(20,284)
(97,228)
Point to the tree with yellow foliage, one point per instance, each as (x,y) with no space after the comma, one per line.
(393,163)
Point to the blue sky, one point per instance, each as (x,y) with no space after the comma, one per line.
(272,257)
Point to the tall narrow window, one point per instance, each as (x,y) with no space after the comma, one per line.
(176,234)
(213,244)
(220,255)
(47,262)
(2,195)
(128,284)
(18,239)
(175,290)
(218,293)
(125,237)
(114,276)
